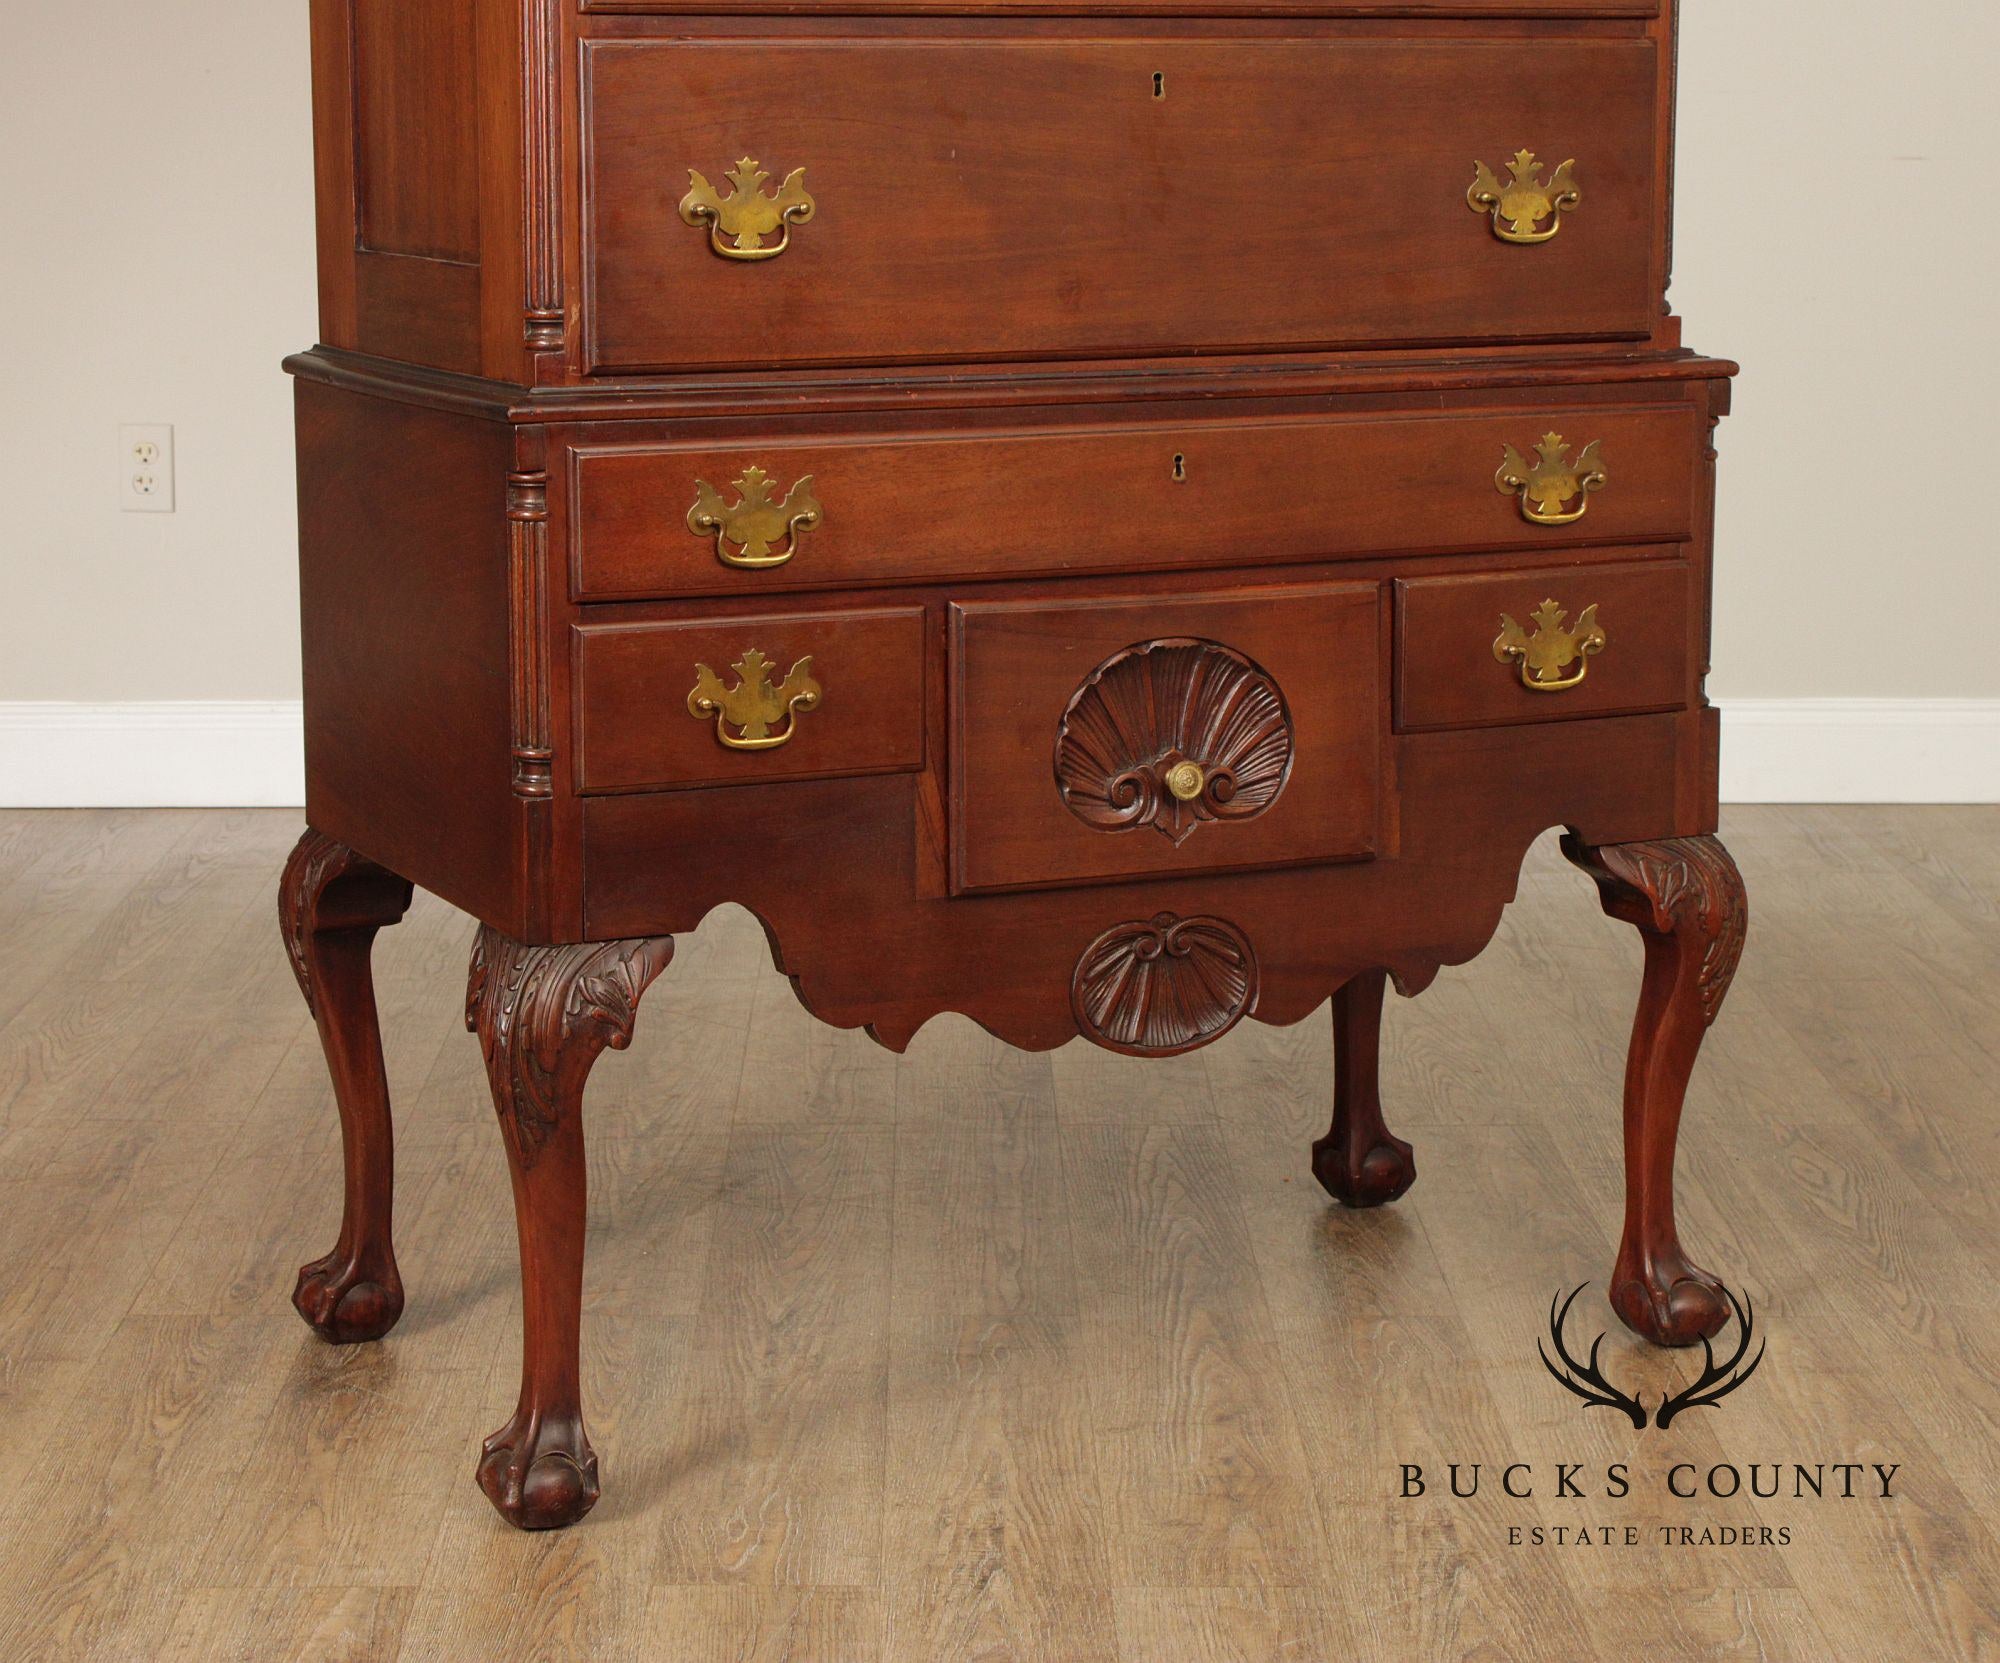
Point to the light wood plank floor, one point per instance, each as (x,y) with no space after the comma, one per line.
(977,1355)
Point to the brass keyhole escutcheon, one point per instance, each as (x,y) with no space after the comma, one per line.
(1159,85)
(1180,468)
(1186,780)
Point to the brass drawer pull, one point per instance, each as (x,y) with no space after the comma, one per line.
(753,705)
(746,216)
(1544,655)
(1524,202)
(754,522)
(1550,484)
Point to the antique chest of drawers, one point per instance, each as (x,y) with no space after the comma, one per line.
(1107,516)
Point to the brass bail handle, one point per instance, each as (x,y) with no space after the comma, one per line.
(1548,485)
(1524,202)
(756,523)
(753,707)
(1544,656)
(747,215)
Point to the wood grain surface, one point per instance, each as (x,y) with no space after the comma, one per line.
(1075,497)
(973,1354)
(1018,196)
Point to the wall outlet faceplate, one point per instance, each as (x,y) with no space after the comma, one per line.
(146,468)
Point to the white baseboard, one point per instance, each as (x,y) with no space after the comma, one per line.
(207,753)
(248,754)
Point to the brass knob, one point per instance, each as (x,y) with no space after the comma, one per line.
(1186,780)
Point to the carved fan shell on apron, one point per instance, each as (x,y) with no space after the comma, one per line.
(1172,733)
(1160,987)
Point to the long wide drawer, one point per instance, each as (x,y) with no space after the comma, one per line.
(1449,9)
(1543,645)
(1006,196)
(655,520)
(718,701)
(1133,737)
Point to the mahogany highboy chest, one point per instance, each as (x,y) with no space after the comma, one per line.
(1108,516)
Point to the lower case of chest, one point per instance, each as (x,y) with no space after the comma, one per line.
(1136,809)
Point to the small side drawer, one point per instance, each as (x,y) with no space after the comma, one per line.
(1542,645)
(1134,737)
(721,701)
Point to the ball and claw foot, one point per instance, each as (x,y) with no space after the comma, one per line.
(1371,1177)
(346,1302)
(1670,1302)
(539,1473)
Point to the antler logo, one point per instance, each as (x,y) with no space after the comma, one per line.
(1587,1381)
(746,216)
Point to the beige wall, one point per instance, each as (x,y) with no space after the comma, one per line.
(155,265)
(1834,235)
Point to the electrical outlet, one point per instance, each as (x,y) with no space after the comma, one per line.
(146,468)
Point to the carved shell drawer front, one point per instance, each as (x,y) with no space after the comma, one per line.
(1136,736)
(1171,734)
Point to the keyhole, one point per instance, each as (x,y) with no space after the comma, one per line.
(1159,85)
(1180,467)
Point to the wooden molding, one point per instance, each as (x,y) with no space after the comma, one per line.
(527,632)
(541,134)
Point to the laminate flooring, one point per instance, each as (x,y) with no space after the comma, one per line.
(977,1355)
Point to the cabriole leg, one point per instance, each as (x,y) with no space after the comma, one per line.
(1685,897)
(543,1016)
(1359,1163)
(330,904)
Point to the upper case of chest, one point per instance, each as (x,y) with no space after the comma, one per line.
(985,188)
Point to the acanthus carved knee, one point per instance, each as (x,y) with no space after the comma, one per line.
(545,1014)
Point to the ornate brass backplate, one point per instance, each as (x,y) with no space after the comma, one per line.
(1551,650)
(1524,202)
(755,522)
(746,216)
(753,706)
(1547,486)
